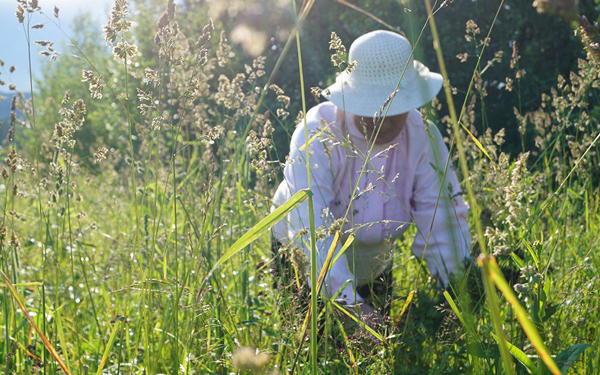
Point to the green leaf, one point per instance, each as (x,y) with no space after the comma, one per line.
(566,358)
(477,143)
(533,254)
(482,350)
(266,223)
(337,294)
(256,231)
(327,265)
(109,345)
(61,335)
(33,283)
(520,356)
(454,307)
(409,299)
(343,249)
(496,276)
(358,321)
(307,144)
(13,291)
(550,310)
(520,263)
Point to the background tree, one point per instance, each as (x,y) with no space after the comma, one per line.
(535,45)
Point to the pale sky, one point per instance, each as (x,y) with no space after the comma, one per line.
(13,45)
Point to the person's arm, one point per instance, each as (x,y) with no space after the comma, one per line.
(322,169)
(444,242)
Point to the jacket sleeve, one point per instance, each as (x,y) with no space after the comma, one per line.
(443,239)
(322,173)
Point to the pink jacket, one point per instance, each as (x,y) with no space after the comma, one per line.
(399,187)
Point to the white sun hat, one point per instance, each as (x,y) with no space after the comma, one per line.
(382,59)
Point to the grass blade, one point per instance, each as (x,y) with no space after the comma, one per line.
(263,225)
(520,263)
(454,308)
(342,250)
(359,322)
(475,209)
(33,283)
(62,337)
(328,263)
(25,350)
(476,141)
(532,253)
(496,276)
(520,356)
(566,358)
(47,344)
(305,146)
(406,304)
(348,349)
(324,270)
(256,231)
(109,345)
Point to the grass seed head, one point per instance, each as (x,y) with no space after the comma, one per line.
(590,37)
(471,30)
(96,84)
(171,9)
(117,21)
(163,21)
(20,13)
(100,154)
(224,52)
(14,240)
(124,51)
(335,44)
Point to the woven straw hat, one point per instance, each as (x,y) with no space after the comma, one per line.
(381,58)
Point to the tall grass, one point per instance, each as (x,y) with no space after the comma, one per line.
(155,258)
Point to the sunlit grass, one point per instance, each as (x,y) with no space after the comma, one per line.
(157,259)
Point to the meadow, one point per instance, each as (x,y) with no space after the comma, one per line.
(136,205)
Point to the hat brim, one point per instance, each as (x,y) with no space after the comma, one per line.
(367,100)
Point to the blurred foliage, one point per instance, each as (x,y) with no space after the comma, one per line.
(546,45)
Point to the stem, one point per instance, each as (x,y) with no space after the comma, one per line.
(313,237)
(490,292)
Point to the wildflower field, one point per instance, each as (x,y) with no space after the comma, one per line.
(138,170)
